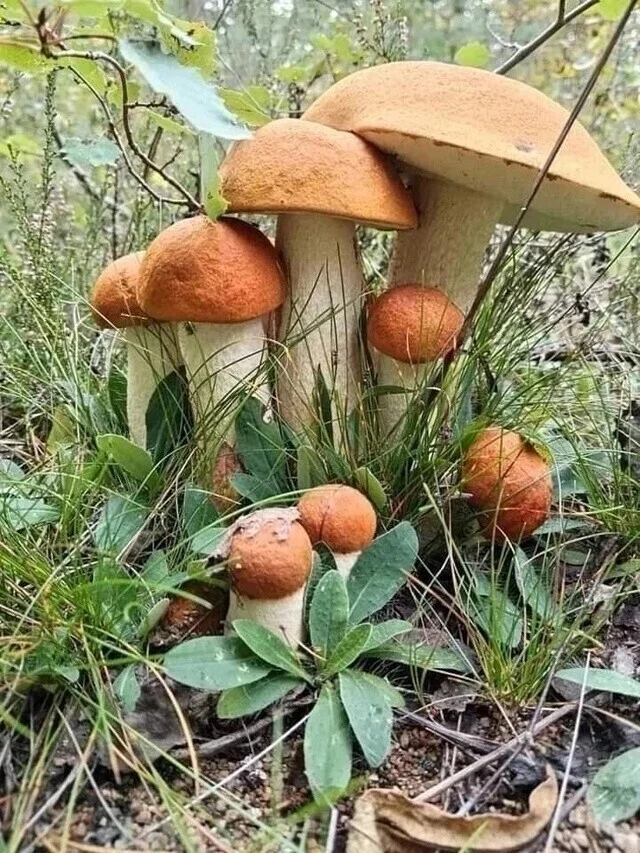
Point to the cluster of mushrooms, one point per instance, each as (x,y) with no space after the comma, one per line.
(439,153)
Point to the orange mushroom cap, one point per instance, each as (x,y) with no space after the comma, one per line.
(341,517)
(114,301)
(271,561)
(508,481)
(210,272)
(414,324)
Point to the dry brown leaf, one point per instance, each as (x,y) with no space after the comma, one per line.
(388,822)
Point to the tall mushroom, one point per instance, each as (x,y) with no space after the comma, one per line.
(412,325)
(340,517)
(320,182)
(217,281)
(152,348)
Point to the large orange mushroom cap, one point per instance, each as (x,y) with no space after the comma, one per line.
(270,562)
(508,482)
(114,301)
(202,271)
(414,324)
(341,517)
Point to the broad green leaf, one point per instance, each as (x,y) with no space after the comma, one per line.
(153,617)
(197,511)
(17,144)
(21,513)
(260,446)
(90,71)
(170,125)
(92,8)
(195,98)
(88,153)
(385,631)
(252,105)
(268,647)
(251,487)
(169,418)
(23,57)
(120,521)
(309,468)
(421,656)
(193,43)
(394,696)
(133,459)
(369,712)
(381,570)
(214,663)
(10,471)
(214,202)
(474,53)
(348,649)
(156,569)
(614,793)
(602,679)
(611,10)
(207,540)
(323,562)
(532,585)
(127,688)
(251,698)
(329,613)
(371,486)
(494,612)
(327,748)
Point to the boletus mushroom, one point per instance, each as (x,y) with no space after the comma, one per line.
(508,482)
(152,348)
(320,182)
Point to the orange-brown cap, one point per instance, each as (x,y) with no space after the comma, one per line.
(487,132)
(210,272)
(290,166)
(508,481)
(270,561)
(414,324)
(114,301)
(341,517)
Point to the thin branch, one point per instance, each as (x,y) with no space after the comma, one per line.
(563,18)
(153,150)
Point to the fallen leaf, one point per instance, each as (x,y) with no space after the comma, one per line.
(388,822)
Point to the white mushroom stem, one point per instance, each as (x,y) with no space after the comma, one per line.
(345,563)
(282,616)
(224,365)
(320,317)
(152,354)
(392,408)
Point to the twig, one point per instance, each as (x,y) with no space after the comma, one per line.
(461,739)
(436,790)
(153,150)
(223,12)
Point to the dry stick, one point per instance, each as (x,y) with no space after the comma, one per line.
(461,739)
(212,747)
(435,790)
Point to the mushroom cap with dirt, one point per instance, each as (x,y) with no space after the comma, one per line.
(508,481)
(340,517)
(152,349)
(320,182)
(216,281)
(412,325)
(269,559)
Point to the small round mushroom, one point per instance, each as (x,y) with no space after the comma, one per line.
(269,560)
(217,281)
(340,517)
(319,182)
(509,482)
(152,348)
(412,325)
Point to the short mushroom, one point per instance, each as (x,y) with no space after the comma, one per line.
(269,559)
(340,517)
(152,348)
(508,481)
(319,182)
(411,325)
(217,281)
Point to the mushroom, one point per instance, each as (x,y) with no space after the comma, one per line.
(320,182)
(508,481)
(152,349)
(342,518)
(217,281)
(411,325)
(269,558)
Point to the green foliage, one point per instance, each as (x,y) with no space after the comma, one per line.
(602,679)
(214,663)
(474,53)
(328,747)
(329,613)
(614,793)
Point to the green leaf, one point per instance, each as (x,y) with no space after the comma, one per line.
(602,679)
(260,446)
(371,486)
(532,585)
(23,57)
(348,649)
(91,72)
(20,513)
(120,521)
(370,714)
(214,663)
(193,43)
(170,125)
(92,8)
(611,10)
(385,631)
(153,617)
(381,570)
(614,793)
(421,656)
(251,487)
(329,613)
(18,144)
(252,105)
(251,698)
(309,468)
(323,562)
(88,153)
(215,203)
(127,688)
(327,748)
(197,511)
(207,540)
(268,647)
(169,418)
(474,53)
(195,98)
(131,458)
(156,568)
(494,612)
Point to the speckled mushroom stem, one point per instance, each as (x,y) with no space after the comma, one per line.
(224,364)
(320,317)
(345,563)
(282,616)
(152,354)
